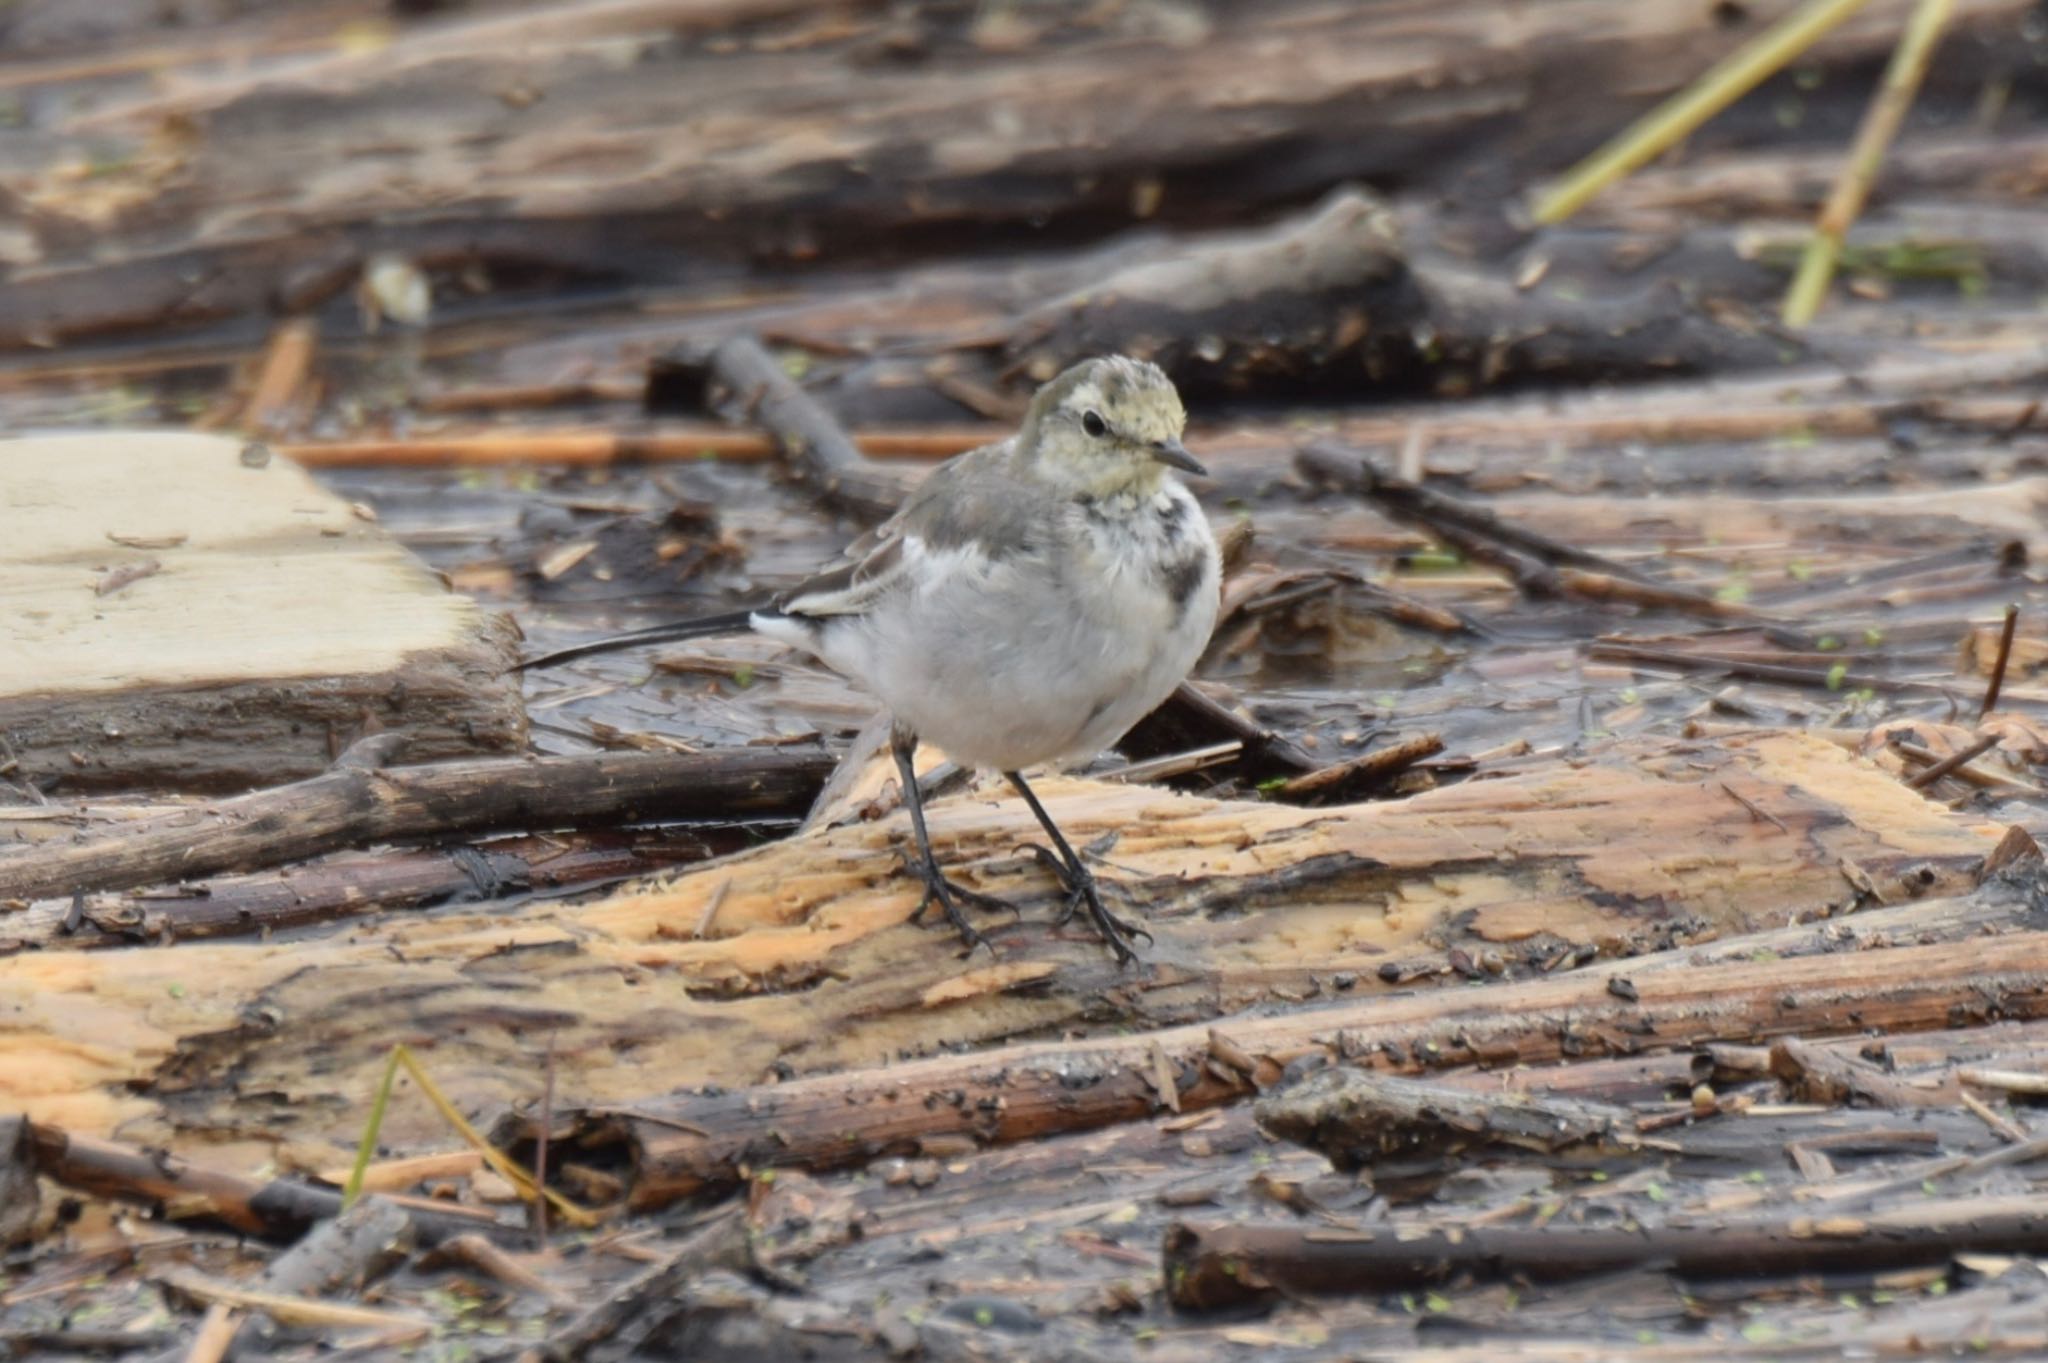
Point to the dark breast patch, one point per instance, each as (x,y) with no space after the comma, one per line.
(1182,580)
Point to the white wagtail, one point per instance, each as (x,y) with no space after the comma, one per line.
(1030,601)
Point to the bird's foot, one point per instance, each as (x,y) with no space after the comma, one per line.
(1084,891)
(949,897)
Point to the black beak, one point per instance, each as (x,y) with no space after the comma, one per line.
(1175,455)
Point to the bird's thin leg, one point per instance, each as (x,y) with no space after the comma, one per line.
(937,889)
(1080,881)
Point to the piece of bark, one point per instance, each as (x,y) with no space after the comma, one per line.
(1210,1266)
(281,624)
(357,805)
(1354,1117)
(1812,1074)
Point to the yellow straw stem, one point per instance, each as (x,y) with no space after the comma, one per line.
(494,1157)
(1735,76)
(353,1189)
(1874,136)
(401,1057)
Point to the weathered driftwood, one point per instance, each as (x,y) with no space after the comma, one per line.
(800,954)
(1354,1117)
(722,1242)
(1209,1266)
(351,805)
(807,435)
(353,883)
(1323,298)
(275,1209)
(275,626)
(887,144)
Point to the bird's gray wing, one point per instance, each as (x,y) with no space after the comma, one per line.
(972,505)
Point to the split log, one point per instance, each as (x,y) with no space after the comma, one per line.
(670,441)
(706,1141)
(279,626)
(799,956)
(367,804)
(1211,1266)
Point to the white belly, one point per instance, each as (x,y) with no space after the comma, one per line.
(1005,667)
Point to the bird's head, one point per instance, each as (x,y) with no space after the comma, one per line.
(1108,425)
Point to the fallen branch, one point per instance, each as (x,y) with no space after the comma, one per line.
(1350,778)
(1210,1266)
(806,433)
(273,1209)
(355,883)
(693,1142)
(1536,564)
(355,805)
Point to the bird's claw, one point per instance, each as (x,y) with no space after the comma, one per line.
(1083,890)
(949,896)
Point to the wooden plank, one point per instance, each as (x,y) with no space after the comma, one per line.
(179,611)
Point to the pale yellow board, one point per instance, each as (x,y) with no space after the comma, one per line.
(263,580)
(273,576)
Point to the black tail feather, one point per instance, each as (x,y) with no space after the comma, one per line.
(733,622)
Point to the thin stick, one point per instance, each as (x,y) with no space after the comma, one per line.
(1959,758)
(287,361)
(2012,624)
(216,1331)
(1866,156)
(2004,1127)
(291,1310)
(670,442)
(1735,76)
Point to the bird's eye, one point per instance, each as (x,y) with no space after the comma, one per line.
(1093,423)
